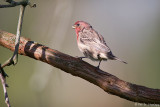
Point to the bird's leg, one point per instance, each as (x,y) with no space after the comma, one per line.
(99,64)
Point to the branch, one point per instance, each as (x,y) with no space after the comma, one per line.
(19,29)
(3,80)
(109,83)
(14,59)
(13,4)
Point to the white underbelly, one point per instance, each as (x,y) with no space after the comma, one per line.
(92,53)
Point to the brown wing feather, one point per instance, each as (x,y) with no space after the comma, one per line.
(92,35)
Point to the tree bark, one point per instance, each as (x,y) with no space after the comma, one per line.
(109,83)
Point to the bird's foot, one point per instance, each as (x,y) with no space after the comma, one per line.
(97,67)
(80,57)
(99,64)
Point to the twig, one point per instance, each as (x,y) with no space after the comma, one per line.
(13,3)
(3,80)
(109,83)
(19,29)
(14,59)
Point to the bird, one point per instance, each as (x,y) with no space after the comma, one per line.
(92,44)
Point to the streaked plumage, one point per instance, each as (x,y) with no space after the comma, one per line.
(92,44)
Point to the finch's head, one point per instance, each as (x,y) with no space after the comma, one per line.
(80,25)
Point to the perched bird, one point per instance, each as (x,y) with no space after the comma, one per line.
(92,44)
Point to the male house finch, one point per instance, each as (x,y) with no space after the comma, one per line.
(92,44)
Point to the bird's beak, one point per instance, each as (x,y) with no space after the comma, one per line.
(74,26)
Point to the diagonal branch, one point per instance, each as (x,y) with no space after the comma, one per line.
(4,85)
(109,83)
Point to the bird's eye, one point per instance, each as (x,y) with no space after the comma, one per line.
(90,26)
(78,24)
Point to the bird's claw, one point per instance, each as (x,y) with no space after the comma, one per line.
(80,57)
(97,67)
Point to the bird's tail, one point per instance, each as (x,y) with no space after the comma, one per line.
(120,60)
(111,56)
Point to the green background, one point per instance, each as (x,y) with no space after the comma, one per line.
(131,28)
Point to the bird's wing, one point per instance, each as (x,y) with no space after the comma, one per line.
(92,38)
(99,37)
